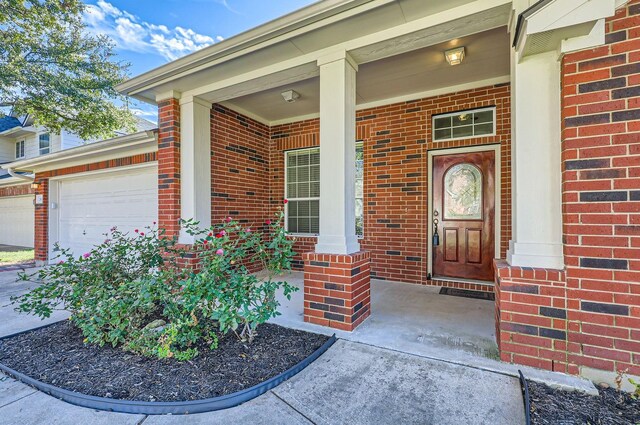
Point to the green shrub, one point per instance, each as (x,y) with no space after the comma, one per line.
(110,291)
(129,290)
(225,289)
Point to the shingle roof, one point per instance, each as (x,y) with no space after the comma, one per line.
(7,122)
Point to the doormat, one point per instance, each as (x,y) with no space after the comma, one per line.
(466,293)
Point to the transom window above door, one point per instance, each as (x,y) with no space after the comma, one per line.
(464,124)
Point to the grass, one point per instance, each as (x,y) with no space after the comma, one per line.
(16,257)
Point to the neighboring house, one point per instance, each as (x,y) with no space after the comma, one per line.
(481,144)
(21,140)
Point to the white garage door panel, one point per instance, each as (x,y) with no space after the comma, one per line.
(17,221)
(89,206)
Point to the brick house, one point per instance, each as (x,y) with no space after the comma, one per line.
(491,145)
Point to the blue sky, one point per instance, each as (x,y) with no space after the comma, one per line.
(151,33)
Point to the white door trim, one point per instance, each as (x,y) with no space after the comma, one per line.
(54,196)
(498,187)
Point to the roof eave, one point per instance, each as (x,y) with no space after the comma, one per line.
(86,153)
(263,33)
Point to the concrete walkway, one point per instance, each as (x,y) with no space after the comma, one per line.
(352,383)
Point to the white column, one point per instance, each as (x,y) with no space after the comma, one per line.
(536,163)
(337,155)
(195,163)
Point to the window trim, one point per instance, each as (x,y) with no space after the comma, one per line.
(21,150)
(48,148)
(453,114)
(286,194)
(361,142)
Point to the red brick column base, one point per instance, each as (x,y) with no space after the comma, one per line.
(531,317)
(337,289)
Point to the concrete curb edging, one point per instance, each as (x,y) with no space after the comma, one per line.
(163,408)
(524,385)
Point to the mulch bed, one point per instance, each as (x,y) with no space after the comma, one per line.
(557,407)
(57,355)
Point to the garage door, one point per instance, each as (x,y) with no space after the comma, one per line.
(17,221)
(88,206)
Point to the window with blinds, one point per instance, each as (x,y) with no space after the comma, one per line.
(303,191)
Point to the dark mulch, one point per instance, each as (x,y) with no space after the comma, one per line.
(57,355)
(557,407)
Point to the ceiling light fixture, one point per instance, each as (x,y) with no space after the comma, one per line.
(290,96)
(454,56)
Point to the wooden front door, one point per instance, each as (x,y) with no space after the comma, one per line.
(464,207)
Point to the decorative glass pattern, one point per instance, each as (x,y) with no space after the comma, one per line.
(463,193)
(462,125)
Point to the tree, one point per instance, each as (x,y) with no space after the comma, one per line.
(53,69)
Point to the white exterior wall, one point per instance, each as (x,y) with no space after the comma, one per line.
(7,150)
(31,146)
(71,140)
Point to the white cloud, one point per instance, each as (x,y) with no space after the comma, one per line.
(131,33)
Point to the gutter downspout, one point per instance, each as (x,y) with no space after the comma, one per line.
(28,177)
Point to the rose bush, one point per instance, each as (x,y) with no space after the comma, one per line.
(110,291)
(130,291)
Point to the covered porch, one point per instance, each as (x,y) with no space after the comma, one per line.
(236,121)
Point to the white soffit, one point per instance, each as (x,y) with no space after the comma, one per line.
(414,73)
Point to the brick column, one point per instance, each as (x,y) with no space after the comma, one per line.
(169,166)
(41,231)
(337,289)
(531,317)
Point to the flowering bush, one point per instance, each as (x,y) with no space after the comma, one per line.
(111,290)
(129,290)
(226,290)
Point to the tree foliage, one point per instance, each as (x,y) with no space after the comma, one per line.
(52,68)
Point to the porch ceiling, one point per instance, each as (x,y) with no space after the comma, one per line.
(286,51)
(419,72)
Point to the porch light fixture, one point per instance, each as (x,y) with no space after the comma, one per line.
(290,96)
(35,185)
(454,56)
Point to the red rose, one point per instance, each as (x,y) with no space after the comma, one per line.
(136,230)
(268,222)
(286,201)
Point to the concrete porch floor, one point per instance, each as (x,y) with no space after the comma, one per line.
(416,319)
(411,318)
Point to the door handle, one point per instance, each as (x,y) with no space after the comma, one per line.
(436,236)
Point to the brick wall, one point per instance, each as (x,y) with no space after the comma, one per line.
(42,210)
(18,190)
(601,193)
(169,166)
(587,316)
(396,141)
(239,168)
(531,316)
